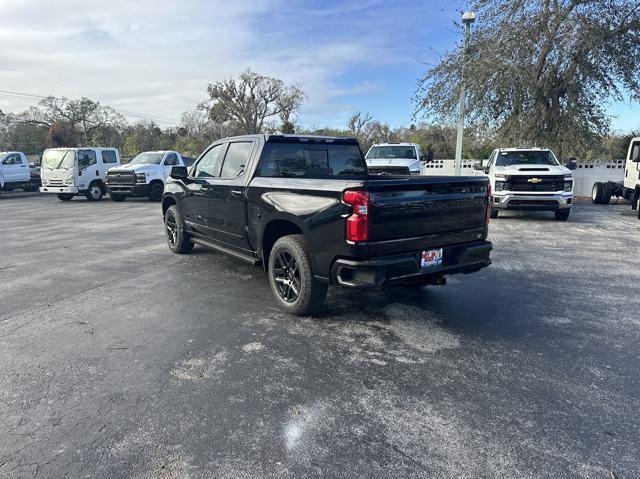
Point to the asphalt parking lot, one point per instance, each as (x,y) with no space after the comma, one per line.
(120,359)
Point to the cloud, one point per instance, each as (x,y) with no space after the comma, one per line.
(157,57)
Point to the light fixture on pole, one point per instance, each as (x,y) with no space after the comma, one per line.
(467,19)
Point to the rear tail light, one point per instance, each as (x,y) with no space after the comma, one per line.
(489,201)
(358,222)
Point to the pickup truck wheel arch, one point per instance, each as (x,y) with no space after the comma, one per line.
(272,232)
(167,202)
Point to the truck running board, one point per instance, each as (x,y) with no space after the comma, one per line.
(244,257)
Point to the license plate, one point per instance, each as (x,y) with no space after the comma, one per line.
(432,257)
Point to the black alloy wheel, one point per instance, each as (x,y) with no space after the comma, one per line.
(171,225)
(287,276)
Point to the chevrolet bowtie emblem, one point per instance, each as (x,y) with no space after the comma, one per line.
(534,180)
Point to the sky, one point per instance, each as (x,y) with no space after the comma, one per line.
(155,58)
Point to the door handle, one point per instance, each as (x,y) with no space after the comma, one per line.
(236,193)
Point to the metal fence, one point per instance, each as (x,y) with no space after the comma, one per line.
(584,176)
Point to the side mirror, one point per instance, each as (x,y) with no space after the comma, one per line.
(179,173)
(428,158)
(480,167)
(572,164)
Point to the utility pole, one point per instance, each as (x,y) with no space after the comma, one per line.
(467,19)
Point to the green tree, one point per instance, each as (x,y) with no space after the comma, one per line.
(540,71)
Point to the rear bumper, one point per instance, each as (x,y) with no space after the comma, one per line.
(128,190)
(538,202)
(405,268)
(68,190)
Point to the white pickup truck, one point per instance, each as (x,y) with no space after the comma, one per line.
(16,174)
(396,159)
(144,175)
(529,179)
(68,172)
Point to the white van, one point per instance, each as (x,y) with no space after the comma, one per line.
(68,172)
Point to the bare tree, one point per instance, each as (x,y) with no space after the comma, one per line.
(357,121)
(252,99)
(84,116)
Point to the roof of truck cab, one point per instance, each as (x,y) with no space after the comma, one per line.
(523,148)
(276,137)
(159,151)
(403,143)
(83,148)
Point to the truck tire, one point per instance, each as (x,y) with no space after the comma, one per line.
(600,194)
(291,278)
(177,239)
(116,197)
(94,192)
(563,215)
(493,214)
(64,197)
(155,191)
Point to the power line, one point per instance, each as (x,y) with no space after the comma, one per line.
(123,112)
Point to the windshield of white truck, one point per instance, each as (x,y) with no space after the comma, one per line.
(508,158)
(147,159)
(403,152)
(59,159)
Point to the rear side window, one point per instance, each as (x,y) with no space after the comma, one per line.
(236,159)
(109,156)
(299,160)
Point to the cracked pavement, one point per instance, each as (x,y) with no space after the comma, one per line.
(120,359)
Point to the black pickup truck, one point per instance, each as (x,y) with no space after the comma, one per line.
(306,209)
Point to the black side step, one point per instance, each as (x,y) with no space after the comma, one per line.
(244,257)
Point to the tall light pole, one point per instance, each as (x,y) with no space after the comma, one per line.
(467,19)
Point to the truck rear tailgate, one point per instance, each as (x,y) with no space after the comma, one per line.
(407,208)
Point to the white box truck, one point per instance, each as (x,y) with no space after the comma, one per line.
(69,172)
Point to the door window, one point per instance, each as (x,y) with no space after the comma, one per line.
(109,156)
(171,160)
(635,152)
(86,158)
(236,159)
(209,164)
(12,160)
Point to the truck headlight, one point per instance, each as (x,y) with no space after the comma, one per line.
(499,185)
(568,185)
(141,178)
